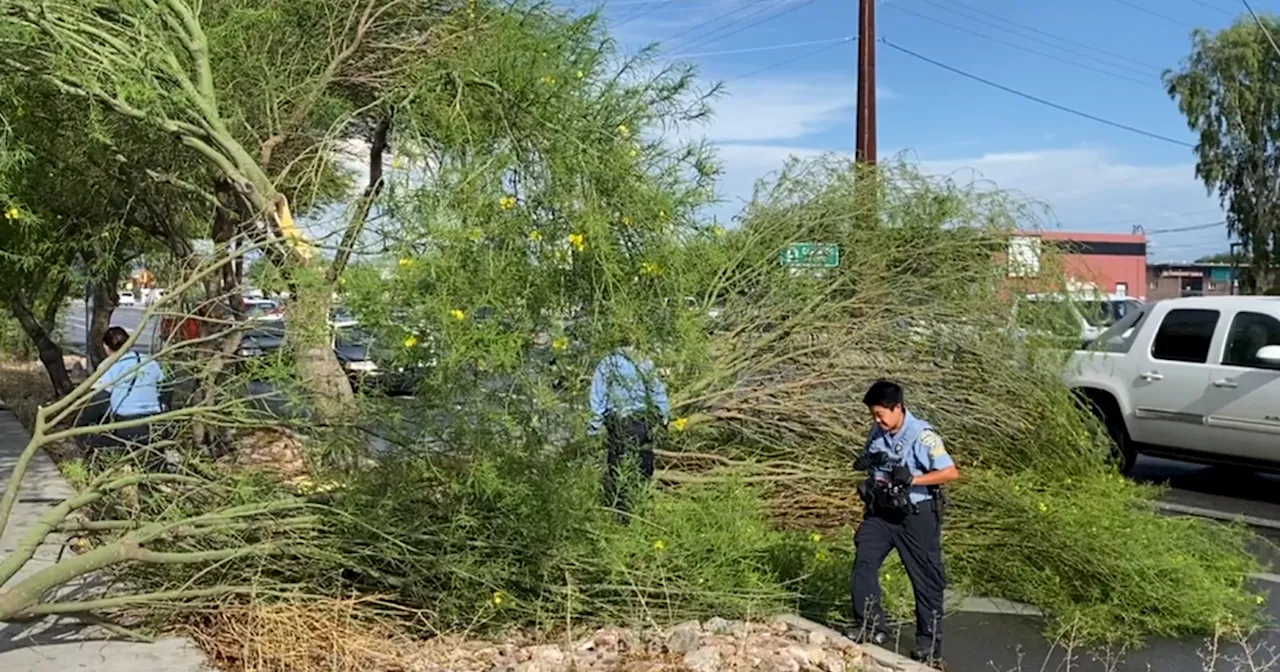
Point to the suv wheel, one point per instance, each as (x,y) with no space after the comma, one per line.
(1122,448)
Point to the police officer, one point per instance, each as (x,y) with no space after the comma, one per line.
(907,464)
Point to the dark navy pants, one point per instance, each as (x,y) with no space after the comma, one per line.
(917,536)
(627,438)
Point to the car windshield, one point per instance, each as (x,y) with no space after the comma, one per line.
(258,309)
(1106,313)
(1119,336)
(347,336)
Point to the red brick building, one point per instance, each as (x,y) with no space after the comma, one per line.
(1108,263)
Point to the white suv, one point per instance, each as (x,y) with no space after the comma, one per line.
(1191,378)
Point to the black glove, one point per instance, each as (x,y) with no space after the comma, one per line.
(862,462)
(901,475)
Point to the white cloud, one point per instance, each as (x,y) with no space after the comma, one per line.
(1087,190)
(759,110)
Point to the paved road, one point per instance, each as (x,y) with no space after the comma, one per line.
(996,642)
(129,317)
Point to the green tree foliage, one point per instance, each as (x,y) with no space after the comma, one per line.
(1227,89)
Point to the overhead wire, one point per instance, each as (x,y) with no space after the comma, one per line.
(781,63)
(704,41)
(956,8)
(771,47)
(671,38)
(1154,13)
(1026,49)
(1261,26)
(1033,98)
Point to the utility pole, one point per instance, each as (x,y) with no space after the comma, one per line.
(865,150)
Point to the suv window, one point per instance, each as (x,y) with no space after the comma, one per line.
(1249,332)
(1119,337)
(1185,335)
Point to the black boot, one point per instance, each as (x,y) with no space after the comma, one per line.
(930,658)
(864,636)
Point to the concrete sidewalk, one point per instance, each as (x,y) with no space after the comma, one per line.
(58,644)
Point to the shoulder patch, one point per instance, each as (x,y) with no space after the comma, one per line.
(931,440)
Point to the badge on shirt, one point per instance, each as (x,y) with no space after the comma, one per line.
(933,442)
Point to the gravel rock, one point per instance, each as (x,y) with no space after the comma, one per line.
(717,645)
(706,659)
(684,638)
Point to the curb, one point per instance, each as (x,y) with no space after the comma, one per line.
(884,658)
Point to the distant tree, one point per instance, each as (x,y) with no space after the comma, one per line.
(1220,258)
(1227,89)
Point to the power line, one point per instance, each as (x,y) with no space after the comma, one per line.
(781,63)
(1184,229)
(735,10)
(772,47)
(640,12)
(1214,7)
(753,24)
(1156,14)
(955,10)
(1138,220)
(1042,101)
(1023,48)
(1261,26)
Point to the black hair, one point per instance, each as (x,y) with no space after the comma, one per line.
(115,338)
(884,393)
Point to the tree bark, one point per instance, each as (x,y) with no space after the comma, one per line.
(311,341)
(105,301)
(49,350)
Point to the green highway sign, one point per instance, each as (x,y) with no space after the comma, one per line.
(811,255)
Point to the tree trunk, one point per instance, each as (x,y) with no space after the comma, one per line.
(311,342)
(105,301)
(49,350)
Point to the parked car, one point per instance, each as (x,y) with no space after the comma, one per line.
(1084,314)
(127,299)
(1191,378)
(263,309)
(366,366)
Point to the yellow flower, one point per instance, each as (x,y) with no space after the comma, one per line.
(633,153)
(1260,599)
(650,269)
(627,221)
(548,80)
(476,235)
(659,545)
(679,424)
(815,537)
(397,163)
(578,241)
(820,556)
(498,598)
(662,214)
(535,235)
(1043,507)
(405,262)
(579,74)
(410,341)
(559,343)
(458,314)
(624,131)
(507,202)
(13,213)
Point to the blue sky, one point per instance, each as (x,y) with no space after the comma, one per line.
(1096,178)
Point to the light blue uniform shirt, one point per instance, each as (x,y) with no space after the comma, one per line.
(621,387)
(915,444)
(134,383)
